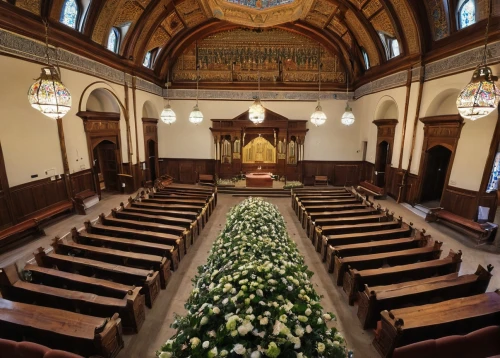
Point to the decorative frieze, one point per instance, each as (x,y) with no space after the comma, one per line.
(250,95)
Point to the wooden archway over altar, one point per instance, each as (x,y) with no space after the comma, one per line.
(285,136)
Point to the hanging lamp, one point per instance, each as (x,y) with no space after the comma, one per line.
(196,117)
(257,112)
(48,94)
(168,115)
(480,96)
(348,117)
(318,118)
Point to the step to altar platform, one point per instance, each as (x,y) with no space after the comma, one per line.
(244,192)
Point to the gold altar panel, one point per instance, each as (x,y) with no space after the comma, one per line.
(240,55)
(259,150)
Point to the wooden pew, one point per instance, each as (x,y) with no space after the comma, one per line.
(148,226)
(206,179)
(296,198)
(172,208)
(305,210)
(187,224)
(149,236)
(310,218)
(373,300)
(371,189)
(347,220)
(74,332)
(305,204)
(130,309)
(391,258)
(458,316)
(352,228)
(209,199)
(120,257)
(19,231)
(149,280)
(373,247)
(359,237)
(354,280)
(71,281)
(188,215)
(137,246)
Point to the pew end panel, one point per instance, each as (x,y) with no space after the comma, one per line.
(387,334)
(109,339)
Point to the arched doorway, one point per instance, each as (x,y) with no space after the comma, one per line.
(105,165)
(151,155)
(435,174)
(381,163)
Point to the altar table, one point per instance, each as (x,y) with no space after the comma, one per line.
(259,180)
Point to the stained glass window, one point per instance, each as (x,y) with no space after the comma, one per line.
(366,59)
(147,60)
(467,14)
(113,40)
(69,13)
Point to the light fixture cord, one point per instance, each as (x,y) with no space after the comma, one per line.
(319,75)
(490,5)
(258,79)
(197,79)
(46,23)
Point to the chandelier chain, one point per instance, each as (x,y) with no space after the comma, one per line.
(46,24)
(319,74)
(490,5)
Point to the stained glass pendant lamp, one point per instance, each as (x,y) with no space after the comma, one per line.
(481,95)
(348,117)
(48,94)
(168,115)
(257,112)
(196,117)
(318,118)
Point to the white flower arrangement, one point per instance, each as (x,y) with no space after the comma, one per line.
(253,298)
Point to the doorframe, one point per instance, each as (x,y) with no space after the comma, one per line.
(445,131)
(101,126)
(386,130)
(150,132)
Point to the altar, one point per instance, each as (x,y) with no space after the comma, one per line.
(259,180)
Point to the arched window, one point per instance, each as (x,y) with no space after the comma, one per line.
(147,60)
(114,40)
(69,13)
(366,59)
(391,45)
(467,14)
(150,58)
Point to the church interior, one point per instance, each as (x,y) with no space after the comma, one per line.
(249,178)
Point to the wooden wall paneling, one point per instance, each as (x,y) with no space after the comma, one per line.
(30,198)
(184,170)
(6,216)
(82,180)
(346,174)
(460,201)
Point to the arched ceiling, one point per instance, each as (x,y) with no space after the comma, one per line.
(342,28)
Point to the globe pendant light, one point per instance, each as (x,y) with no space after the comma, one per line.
(257,112)
(481,96)
(348,117)
(48,94)
(168,115)
(196,117)
(318,118)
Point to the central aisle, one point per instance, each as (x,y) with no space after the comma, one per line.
(156,329)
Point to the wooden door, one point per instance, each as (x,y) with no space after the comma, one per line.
(6,218)
(109,167)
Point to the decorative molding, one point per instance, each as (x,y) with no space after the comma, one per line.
(396,80)
(32,50)
(250,95)
(462,61)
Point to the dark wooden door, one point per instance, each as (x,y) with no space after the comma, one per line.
(438,160)
(108,165)
(381,164)
(6,218)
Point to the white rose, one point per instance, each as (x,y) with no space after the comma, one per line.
(327,317)
(206,344)
(309,329)
(194,342)
(264,321)
(321,347)
(255,354)
(239,349)
(204,321)
(308,312)
(216,310)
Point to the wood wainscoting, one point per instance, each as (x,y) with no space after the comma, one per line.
(81,181)
(184,170)
(31,198)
